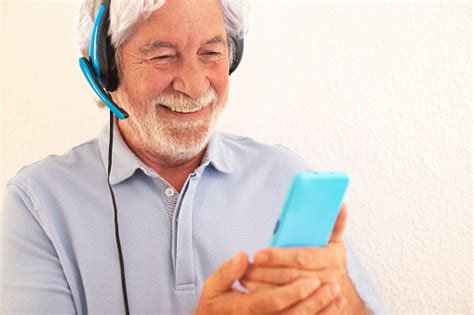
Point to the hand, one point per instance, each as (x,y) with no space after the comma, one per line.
(276,266)
(218,296)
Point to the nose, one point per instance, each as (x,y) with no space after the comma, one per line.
(191,79)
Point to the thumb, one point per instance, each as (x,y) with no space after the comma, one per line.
(223,278)
(337,235)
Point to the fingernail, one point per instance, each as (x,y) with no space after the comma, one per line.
(335,289)
(312,283)
(260,258)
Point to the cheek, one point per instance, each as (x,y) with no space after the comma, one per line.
(152,86)
(147,85)
(221,85)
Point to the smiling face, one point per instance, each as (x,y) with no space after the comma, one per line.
(174,79)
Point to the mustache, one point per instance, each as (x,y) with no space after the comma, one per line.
(178,100)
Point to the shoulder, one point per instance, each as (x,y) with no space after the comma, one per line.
(77,163)
(251,153)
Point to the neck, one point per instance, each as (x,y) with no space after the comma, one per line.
(175,173)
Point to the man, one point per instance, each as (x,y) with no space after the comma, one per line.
(188,199)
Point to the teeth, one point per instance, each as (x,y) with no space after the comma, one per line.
(183,110)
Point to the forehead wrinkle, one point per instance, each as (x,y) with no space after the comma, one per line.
(185,23)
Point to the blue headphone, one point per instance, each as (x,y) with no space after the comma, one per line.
(100,68)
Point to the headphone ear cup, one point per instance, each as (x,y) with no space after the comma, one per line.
(239,51)
(106,53)
(112,79)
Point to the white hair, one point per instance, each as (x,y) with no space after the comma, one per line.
(125,13)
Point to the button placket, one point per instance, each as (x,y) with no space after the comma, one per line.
(184,259)
(169,192)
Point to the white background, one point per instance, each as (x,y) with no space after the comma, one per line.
(378,89)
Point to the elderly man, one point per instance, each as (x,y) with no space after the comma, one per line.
(191,204)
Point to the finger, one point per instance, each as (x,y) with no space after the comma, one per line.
(337,306)
(282,297)
(276,275)
(320,300)
(310,258)
(223,278)
(255,286)
(337,235)
(283,275)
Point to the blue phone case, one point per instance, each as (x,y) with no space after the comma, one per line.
(311,210)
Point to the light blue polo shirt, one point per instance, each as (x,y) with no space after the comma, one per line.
(59,248)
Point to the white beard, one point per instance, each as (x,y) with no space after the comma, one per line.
(172,140)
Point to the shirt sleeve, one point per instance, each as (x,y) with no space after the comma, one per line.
(362,283)
(33,280)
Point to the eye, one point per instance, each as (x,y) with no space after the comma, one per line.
(163,58)
(210,56)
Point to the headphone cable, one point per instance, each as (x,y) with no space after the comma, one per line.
(117,234)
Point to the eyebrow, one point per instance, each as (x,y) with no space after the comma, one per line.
(160,44)
(155,45)
(217,39)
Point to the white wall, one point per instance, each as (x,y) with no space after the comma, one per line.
(379,89)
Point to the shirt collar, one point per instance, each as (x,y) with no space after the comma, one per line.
(219,155)
(125,162)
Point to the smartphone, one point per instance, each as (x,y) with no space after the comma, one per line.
(311,210)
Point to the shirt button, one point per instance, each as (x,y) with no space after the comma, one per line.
(169,192)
